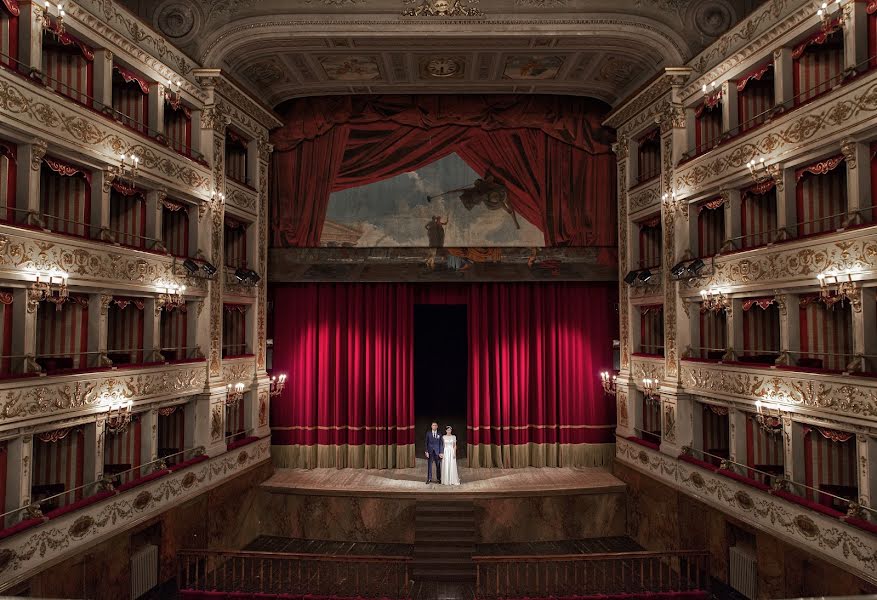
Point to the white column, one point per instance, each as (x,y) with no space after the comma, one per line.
(730,118)
(866,446)
(30,34)
(27,188)
(94,438)
(625,402)
(733,226)
(103,77)
(24,329)
(196,137)
(865,328)
(677,422)
(783,76)
(149,438)
(787,211)
(151,329)
(734,323)
(261,410)
(855,32)
(793,438)
(790,329)
(633,163)
(98,329)
(737,435)
(858,179)
(156,108)
(208,417)
(101,182)
(19,456)
(154,215)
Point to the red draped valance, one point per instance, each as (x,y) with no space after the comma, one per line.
(709,103)
(820,168)
(127,190)
(129,76)
(653,221)
(172,206)
(711,204)
(241,308)
(7,151)
(757,74)
(232,223)
(6,298)
(762,303)
(651,135)
(722,411)
(760,188)
(167,411)
(648,308)
(55,435)
(830,434)
(236,139)
(820,37)
(871,8)
(176,103)
(11,7)
(816,298)
(66,39)
(123,303)
(65,169)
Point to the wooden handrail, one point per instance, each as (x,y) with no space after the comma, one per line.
(588,557)
(365,558)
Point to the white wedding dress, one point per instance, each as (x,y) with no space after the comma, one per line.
(449,462)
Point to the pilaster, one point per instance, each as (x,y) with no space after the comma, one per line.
(101,190)
(625,406)
(148,437)
(737,435)
(27,189)
(24,328)
(855,32)
(103,77)
(787,213)
(154,213)
(790,328)
(156,108)
(730,118)
(18,472)
(151,329)
(98,326)
(208,416)
(793,447)
(864,327)
(677,422)
(30,34)
(260,349)
(95,439)
(734,323)
(858,180)
(866,447)
(783,76)
(733,226)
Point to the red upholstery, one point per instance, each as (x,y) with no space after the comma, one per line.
(697,462)
(743,479)
(242,442)
(820,508)
(642,442)
(188,463)
(63,510)
(19,527)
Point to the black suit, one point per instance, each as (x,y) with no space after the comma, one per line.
(434,447)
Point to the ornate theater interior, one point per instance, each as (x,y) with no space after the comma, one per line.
(620,254)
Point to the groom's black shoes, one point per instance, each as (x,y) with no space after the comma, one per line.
(428,481)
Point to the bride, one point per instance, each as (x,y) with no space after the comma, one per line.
(449,460)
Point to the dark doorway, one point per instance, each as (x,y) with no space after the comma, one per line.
(441,370)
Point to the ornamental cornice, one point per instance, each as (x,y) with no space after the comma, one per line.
(645,197)
(634,111)
(642,367)
(23,555)
(239,370)
(26,252)
(263,119)
(22,401)
(240,196)
(38,110)
(848,547)
(840,114)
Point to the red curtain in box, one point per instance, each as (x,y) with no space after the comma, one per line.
(821,196)
(763,448)
(234,419)
(708,123)
(652,329)
(6,316)
(178,126)
(128,215)
(125,321)
(651,420)
(171,431)
(826,333)
(68,63)
(649,156)
(755,96)
(818,61)
(59,458)
(8,174)
(175,227)
(123,448)
(758,215)
(710,227)
(713,333)
(830,458)
(65,197)
(234,329)
(131,99)
(172,331)
(236,157)
(650,242)
(715,431)
(235,243)
(871,10)
(62,334)
(9,13)
(761,327)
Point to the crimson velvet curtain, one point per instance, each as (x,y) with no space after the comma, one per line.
(550,152)
(534,349)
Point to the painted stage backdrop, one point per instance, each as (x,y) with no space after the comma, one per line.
(444,204)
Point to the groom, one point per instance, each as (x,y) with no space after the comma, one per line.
(434,447)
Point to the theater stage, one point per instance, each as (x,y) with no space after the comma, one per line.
(476,482)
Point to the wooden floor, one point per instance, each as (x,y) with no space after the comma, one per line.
(477,482)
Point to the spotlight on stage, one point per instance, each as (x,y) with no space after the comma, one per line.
(630,277)
(191,266)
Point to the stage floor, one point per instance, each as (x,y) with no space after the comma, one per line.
(479,482)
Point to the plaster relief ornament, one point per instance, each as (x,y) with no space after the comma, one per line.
(441,8)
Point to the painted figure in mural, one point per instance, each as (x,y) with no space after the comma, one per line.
(435,230)
(485,191)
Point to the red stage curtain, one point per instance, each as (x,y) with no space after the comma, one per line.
(826,334)
(710,227)
(62,334)
(175,227)
(9,13)
(758,216)
(817,64)
(713,334)
(761,330)
(65,198)
(8,174)
(171,431)
(173,334)
(130,99)
(348,354)
(821,196)
(651,340)
(69,66)
(122,450)
(551,154)
(6,328)
(125,321)
(128,215)
(178,127)
(234,329)
(59,462)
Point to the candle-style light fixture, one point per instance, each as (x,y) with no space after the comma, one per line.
(758,170)
(714,299)
(128,164)
(826,12)
(610,383)
(650,388)
(768,417)
(44,17)
(173,90)
(51,287)
(235,394)
(172,297)
(119,417)
(836,287)
(276,385)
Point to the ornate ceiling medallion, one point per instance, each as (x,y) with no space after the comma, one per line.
(442,67)
(441,8)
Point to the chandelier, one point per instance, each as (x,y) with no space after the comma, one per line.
(833,288)
(714,299)
(51,288)
(609,383)
(119,417)
(768,417)
(172,297)
(276,386)
(650,388)
(235,394)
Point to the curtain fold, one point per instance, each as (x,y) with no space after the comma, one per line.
(761,331)
(8,176)
(758,217)
(710,229)
(763,449)
(65,201)
(172,432)
(130,100)
(713,334)
(235,243)
(825,334)
(62,335)
(821,198)
(125,321)
(707,126)
(173,333)
(817,64)
(651,329)
(69,69)
(234,330)
(6,329)
(175,228)
(650,243)
(59,463)
(128,216)
(178,128)
(8,35)
(122,451)
(829,463)
(715,434)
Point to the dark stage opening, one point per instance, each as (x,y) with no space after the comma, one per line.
(441,367)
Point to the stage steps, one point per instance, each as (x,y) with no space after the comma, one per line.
(444,541)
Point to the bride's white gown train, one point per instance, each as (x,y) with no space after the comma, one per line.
(449,462)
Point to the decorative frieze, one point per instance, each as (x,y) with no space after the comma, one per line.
(239,370)
(241,196)
(647,197)
(642,367)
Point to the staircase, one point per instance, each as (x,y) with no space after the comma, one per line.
(444,540)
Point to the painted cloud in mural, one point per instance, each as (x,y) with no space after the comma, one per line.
(396,212)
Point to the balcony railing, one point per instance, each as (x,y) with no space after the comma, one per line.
(532,576)
(63,362)
(294,573)
(179,353)
(36,76)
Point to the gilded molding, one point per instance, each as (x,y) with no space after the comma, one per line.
(623,288)
(671,370)
(645,197)
(262,303)
(240,197)
(38,152)
(646,368)
(241,370)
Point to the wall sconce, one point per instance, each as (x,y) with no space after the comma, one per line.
(826,12)
(709,89)
(276,386)
(51,287)
(119,417)
(834,289)
(235,394)
(758,170)
(128,165)
(714,299)
(44,17)
(173,88)
(172,297)
(768,417)
(610,383)
(650,389)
